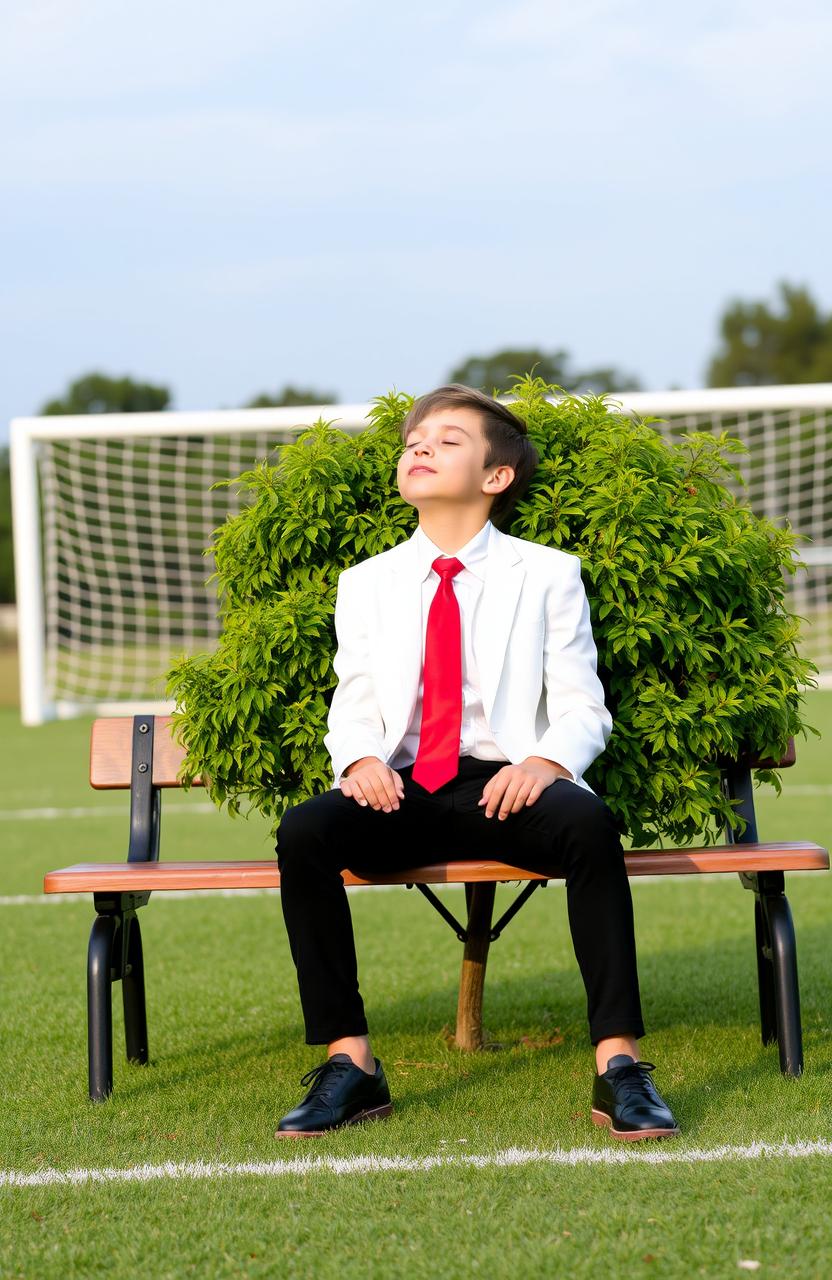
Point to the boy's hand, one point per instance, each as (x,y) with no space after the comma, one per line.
(371,781)
(517,785)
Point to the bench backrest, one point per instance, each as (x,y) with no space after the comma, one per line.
(111,752)
(139,753)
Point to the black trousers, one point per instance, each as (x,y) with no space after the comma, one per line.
(317,839)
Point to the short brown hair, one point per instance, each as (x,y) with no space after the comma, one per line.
(506,440)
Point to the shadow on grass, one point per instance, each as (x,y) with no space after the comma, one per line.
(703,992)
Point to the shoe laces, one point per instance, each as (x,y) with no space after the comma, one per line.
(323,1078)
(634,1078)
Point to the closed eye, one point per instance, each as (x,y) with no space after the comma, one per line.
(415,442)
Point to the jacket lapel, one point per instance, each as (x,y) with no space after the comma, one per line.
(498,604)
(401,641)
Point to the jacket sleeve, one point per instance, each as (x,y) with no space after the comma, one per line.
(355,726)
(579,723)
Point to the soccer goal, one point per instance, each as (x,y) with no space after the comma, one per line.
(112,515)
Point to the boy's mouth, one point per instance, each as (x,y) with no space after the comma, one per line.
(413,470)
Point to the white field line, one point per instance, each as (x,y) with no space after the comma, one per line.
(514,1157)
(95,811)
(44,899)
(49,814)
(808,789)
(40,899)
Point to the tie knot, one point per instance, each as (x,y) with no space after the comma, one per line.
(447,567)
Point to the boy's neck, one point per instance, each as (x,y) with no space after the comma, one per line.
(451,531)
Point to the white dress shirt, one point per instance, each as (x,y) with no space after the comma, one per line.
(532,647)
(475,737)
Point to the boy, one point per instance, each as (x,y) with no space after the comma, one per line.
(467,710)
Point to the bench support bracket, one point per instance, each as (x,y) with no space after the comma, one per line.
(115,955)
(774,936)
(447,916)
(115,947)
(476,937)
(777,969)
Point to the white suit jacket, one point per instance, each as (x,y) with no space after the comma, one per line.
(537,658)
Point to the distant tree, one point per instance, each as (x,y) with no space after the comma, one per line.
(498,371)
(94,393)
(607,378)
(290,395)
(6,554)
(761,346)
(98,393)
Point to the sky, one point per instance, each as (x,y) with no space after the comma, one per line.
(224,197)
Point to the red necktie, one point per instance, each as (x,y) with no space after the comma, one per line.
(437,760)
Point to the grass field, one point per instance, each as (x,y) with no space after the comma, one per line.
(227,1054)
(8,676)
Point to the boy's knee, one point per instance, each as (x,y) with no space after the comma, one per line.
(291,826)
(592,820)
(295,833)
(307,833)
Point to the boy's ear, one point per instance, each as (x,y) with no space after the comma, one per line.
(504,476)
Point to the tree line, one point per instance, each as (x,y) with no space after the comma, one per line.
(759,344)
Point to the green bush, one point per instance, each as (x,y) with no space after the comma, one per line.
(686,587)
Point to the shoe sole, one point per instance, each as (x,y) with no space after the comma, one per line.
(374,1113)
(631,1135)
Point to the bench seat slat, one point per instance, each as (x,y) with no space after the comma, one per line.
(121,877)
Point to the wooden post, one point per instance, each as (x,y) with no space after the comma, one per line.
(475,957)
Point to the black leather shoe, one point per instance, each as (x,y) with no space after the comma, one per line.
(625,1098)
(341,1094)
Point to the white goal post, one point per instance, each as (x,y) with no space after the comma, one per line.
(113,512)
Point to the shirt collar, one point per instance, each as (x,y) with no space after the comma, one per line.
(473,555)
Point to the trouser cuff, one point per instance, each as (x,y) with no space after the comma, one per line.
(620,1027)
(326,1035)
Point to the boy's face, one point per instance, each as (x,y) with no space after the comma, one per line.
(443,461)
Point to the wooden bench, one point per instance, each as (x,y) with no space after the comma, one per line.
(139,753)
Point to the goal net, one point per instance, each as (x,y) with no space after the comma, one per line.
(787,476)
(113,515)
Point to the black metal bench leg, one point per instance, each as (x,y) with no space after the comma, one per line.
(100,1006)
(786,990)
(132,991)
(765,976)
